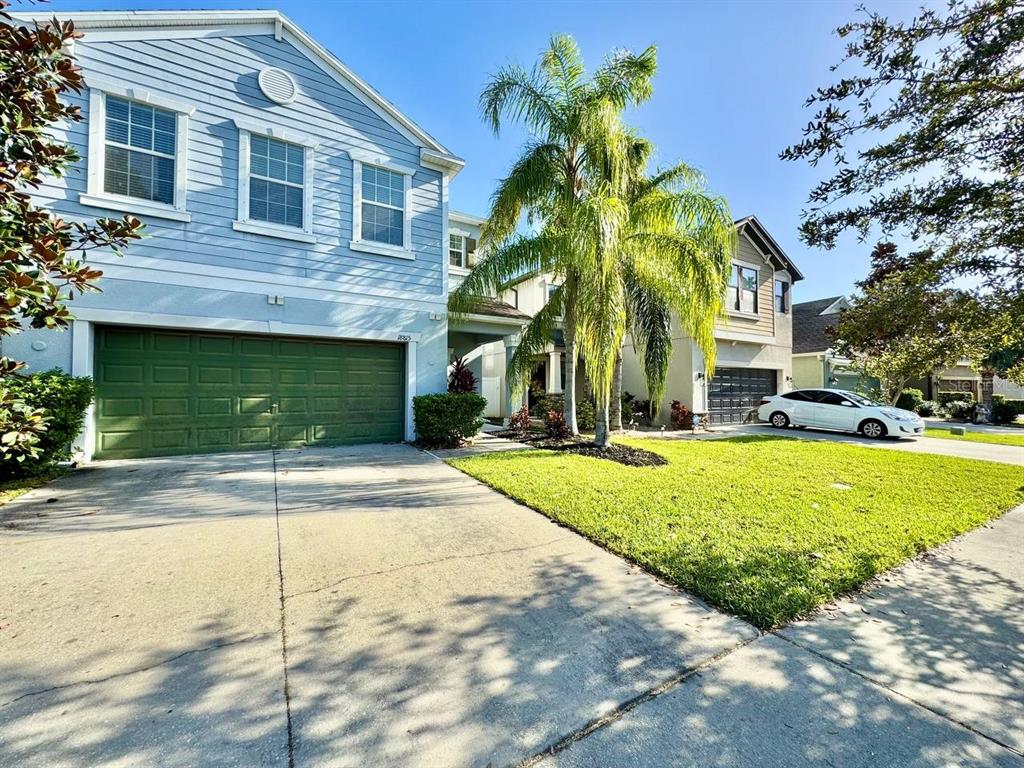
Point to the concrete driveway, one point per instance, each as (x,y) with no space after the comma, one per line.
(1004,454)
(372,606)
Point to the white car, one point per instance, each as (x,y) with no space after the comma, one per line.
(838,409)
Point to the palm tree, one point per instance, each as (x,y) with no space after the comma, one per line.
(574,126)
(673,255)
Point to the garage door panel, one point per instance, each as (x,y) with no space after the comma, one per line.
(161,393)
(179,343)
(218,346)
(169,374)
(214,439)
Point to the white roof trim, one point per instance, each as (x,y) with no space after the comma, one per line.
(835,306)
(466,218)
(267,22)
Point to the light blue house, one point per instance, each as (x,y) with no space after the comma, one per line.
(292,283)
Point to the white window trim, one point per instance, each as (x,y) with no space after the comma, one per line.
(95,195)
(464,266)
(243,223)
(368,246)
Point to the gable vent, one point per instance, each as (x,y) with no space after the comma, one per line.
(278,86)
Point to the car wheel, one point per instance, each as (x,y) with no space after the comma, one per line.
(874,429)
(779,420)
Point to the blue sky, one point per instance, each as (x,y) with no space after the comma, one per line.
(732,79)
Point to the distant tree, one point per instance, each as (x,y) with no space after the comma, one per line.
(902,324)
(927,137)
(41,255)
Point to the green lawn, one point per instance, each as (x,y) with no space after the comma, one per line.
(975,437)
(764,527)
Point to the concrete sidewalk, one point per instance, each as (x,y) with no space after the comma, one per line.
(923,669)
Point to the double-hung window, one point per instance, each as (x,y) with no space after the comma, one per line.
(381,198)
(139,151)
(275,185)
(276,181)
(781,296)
(137,146)
(742,293)
(457,250)
(383,206)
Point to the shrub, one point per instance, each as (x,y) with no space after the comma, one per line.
(445,420)
(586,415)
(1005,410)
(519,422)
(63,400)
(927,408)
(462,380)
(555,426)
(681,416)
(909,399)
(946,397)
(961,410)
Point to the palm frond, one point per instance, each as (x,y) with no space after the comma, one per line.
(527,186)
(520,96)
(625,78)
(563,65)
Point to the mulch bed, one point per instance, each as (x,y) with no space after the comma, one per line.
(623,454)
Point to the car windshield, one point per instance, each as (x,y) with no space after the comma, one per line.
(861,400)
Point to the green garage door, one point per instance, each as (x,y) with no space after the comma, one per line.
(160,393)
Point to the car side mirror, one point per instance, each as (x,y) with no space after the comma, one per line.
(848,404)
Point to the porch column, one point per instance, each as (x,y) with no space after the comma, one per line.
(554,371)
(82,341)
(507,406)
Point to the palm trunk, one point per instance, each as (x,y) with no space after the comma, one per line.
(987,386)
(569,398)
(602,436)
(615,406)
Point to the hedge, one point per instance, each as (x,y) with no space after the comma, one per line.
(1005,410)
(909,399)
(444,420)
(945,397)
(63,399)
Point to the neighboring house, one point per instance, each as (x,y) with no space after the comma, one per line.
(291,286)
(816,365)
(753,340)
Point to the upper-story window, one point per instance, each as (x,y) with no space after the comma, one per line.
(277,174)
(381,199)
(275,182)
(551,288)
(139,152)
(457,250)
(742,293)
(383,206)
(137,146)
(781,296)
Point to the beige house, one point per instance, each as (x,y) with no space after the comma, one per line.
(753,340)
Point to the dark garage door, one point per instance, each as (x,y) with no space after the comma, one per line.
(734,391)
(169,392)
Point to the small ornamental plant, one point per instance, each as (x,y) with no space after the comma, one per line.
(462,380)
(555,426)
(682,417)
(520,421)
